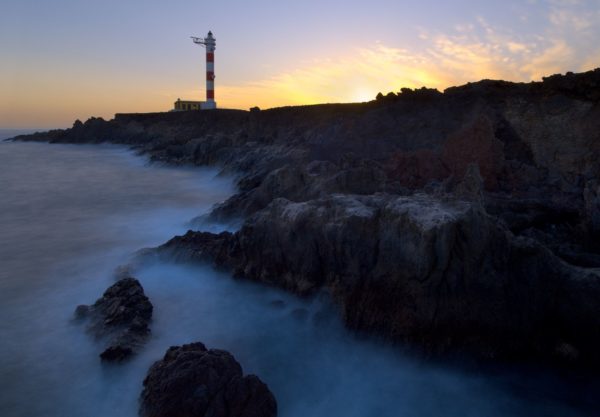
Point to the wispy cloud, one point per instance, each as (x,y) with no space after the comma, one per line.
(473,51)
(527,40)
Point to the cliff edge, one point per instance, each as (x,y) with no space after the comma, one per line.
(463,220)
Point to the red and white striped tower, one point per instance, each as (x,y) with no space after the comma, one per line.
(210,43)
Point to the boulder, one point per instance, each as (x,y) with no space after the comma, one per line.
(193,381)
(122,316)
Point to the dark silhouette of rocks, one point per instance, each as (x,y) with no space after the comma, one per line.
(122,316)
(192,381)
(467,219)
(439,273)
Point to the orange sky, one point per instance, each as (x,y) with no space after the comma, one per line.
(92,68)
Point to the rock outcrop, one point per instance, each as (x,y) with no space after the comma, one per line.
(192,381)
(438,273)
(122,316)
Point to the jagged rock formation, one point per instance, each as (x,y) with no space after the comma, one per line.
(121,315)
(437,273)
(512,168)
(192,381)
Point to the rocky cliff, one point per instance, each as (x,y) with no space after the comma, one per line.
(462,220)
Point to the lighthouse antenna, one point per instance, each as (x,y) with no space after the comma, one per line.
(199,41)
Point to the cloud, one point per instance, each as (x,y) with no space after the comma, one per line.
(473,51)
(569,19)
(553,59)
(357,77)
(591,62)
(545,37)
(565,3)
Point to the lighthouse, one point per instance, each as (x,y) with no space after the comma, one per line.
(209,42)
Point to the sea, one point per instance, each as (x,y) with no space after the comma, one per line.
(71,214)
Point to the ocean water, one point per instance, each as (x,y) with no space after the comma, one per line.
(69,215)
(10,133)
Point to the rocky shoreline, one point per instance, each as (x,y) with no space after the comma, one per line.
(440,274)
(462,221)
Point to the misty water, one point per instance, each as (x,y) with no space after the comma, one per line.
(69,215)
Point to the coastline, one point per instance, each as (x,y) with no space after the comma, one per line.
(513,275)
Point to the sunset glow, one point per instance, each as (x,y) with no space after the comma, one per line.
(73,59)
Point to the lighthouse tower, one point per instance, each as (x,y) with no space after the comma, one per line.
(209,42)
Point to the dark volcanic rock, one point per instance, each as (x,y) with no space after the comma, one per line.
(592,205)
(437,273)
(316,179)
(116,353)
(122,315)
(192,381)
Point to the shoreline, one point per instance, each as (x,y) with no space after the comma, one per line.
(351,173)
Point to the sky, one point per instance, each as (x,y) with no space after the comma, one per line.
(63,60)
